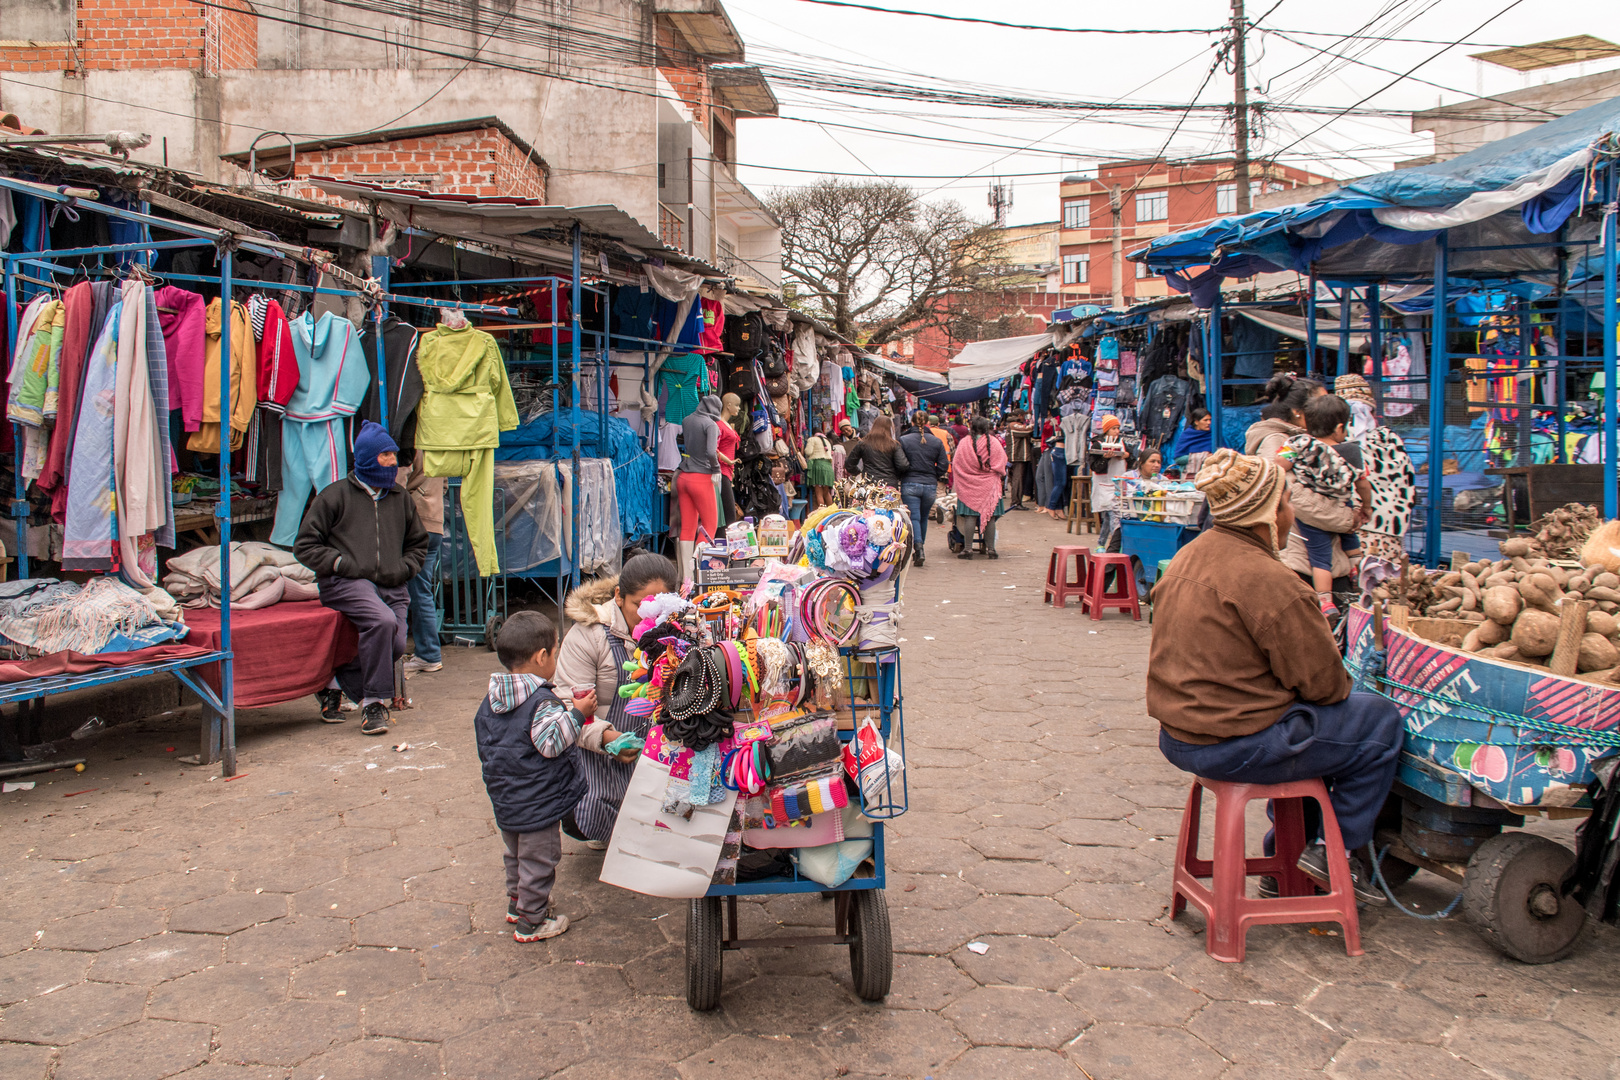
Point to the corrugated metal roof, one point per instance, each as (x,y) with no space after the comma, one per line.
(497,217)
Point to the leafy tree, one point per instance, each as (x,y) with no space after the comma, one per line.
(875,262)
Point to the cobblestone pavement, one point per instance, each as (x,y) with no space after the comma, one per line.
(336,911)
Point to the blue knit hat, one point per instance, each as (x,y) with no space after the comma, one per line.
(372,440)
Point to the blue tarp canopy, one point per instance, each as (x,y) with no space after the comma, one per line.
(1384,226)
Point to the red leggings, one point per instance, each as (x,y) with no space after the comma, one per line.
(696,494)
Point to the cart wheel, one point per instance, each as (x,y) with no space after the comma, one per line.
(491,628)
(871,954)
(703,951)
(1511,894)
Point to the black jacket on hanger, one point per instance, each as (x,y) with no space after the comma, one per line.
(404,383)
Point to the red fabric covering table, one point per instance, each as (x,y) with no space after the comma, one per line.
(280,653)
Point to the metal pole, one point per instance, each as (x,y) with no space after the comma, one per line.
(574,399)
(1310,327)
(226,727)
(19,505)
(1611,322)
(1344,330)
(1240,110)
(1375,334)
(1439,368)
(379,270)
(1560,387)
(1212,373)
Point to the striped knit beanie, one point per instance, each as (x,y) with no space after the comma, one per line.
(1242,491)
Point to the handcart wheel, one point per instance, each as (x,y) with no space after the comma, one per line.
(1511,893)
(491,628)
(871,954)
(704,945)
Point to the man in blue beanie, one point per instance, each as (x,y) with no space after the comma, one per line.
(365,542)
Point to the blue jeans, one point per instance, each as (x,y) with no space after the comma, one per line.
(1058,499)
(1353,747)
(424,617)
(919,499)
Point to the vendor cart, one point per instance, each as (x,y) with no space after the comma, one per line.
(860,912)
(1487,743)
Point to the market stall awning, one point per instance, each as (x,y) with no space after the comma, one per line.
(1294,326)
(909,372)
(1505,193)
(983,362)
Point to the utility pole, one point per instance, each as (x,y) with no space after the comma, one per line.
(1240,110)
(1116,267)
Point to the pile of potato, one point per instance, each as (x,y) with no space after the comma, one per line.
(1515,603)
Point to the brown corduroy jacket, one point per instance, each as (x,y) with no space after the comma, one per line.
(1237,639)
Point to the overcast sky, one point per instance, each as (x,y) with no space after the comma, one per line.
(1166,68)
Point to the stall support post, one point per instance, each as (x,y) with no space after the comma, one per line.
(19,505)
(1344,330)
(379,270)
(1611,323)
(1310,326)
(1439,368)
(1375,333)
(222,728)
(1560,386)
(1212,372)
(574,406)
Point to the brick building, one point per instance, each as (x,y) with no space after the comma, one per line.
(464,157)
(1158,197)
(629,103)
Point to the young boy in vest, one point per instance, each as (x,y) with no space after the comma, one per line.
(526,742)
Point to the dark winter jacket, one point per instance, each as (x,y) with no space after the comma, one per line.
(884,468)
(528,791)
(1162,407)
(404,382)
(925,453)
(346,533)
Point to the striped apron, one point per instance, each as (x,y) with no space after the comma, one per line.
(607,778)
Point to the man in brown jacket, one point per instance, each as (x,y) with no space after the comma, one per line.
(427,493)
(1244,676)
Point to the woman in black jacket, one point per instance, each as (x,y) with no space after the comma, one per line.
(878,455)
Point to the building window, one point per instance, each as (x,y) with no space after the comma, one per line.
(1076,213)
(1152,206)
(722,141)
(1226,198)
(1141,271)
(1076,269)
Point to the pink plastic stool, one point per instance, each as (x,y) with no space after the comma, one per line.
(1059,586)
(1098,597)
(1228,911)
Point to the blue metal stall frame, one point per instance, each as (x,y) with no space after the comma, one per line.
(218,738)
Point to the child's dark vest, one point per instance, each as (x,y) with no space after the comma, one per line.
(528,792)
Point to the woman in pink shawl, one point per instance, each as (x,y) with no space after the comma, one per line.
(977,471)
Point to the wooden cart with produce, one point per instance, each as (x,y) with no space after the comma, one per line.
(1508,679)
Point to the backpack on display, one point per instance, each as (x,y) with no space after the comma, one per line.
(745,335)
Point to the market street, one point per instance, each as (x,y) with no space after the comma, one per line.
(336,910)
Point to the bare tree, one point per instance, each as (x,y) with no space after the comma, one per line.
(875,261)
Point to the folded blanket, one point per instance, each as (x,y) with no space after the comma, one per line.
(64,616)
(261,575)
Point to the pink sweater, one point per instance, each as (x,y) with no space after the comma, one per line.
(978,487)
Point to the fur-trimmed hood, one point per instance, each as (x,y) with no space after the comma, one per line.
(592,603)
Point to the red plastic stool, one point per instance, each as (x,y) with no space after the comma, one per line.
(1058,585)
(1098,597)
(1228,911)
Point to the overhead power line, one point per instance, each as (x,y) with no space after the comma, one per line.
(998,22)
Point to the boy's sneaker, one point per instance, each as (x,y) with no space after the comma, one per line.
(512,913)
(331,702)
(548,926)
(597,845)
(1313,864)
(414,664)
(375,719)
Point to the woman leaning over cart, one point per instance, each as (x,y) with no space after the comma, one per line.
(593,654)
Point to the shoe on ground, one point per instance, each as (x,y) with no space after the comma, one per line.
(331,702)
(919,561)
(597,845)
(965,555)
(1314,865)
(993,554)
(1268,888)
(375,719)
(548,927)
(512,913)
(414,664)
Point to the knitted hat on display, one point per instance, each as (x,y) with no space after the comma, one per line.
(1242,491)
(1354,388)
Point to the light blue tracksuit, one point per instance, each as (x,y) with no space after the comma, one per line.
(332,380)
